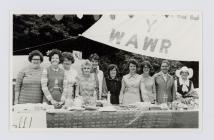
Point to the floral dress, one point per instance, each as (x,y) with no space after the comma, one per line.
(86,87)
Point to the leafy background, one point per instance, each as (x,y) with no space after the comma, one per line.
(32,32)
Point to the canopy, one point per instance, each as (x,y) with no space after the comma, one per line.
(175,37)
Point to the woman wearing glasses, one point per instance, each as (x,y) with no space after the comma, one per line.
(28,86)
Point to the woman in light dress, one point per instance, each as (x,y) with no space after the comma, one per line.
(147,85)
(70,75)
(130,89)
(86,85)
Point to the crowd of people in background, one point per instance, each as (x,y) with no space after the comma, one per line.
(54,84)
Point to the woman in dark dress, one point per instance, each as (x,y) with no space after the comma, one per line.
(113,83)
(183,85)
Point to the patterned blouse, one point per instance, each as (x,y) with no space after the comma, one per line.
(48,84)
(86,89)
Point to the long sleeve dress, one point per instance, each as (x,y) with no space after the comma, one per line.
(114,86)
(28,87)
(53,82)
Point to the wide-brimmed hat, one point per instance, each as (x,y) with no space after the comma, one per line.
(184,69)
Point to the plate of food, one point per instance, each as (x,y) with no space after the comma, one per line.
(75,108)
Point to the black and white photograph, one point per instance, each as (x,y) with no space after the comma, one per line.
(119,70)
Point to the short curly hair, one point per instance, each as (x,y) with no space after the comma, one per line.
(69,56)
(165,61)
(35,53)
(111,67)
(86,63)
(55,51)
(146,63)
(94,56)
(133,61)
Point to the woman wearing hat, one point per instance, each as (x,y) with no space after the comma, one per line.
(184,86)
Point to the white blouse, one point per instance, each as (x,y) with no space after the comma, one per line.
(71,81)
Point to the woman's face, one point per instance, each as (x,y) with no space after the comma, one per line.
(113,73)
(95,63)
(67,63)
(86,70)
(132,68)
(184,75)
(55,60)
(146,69)
(36,61)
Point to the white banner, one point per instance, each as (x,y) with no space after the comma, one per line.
(176,37)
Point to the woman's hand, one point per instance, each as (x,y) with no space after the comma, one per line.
(61,103)
(57,105)
(54,102)
(120,102)
(178,95)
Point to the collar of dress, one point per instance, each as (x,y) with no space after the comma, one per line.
(130,75)
(56,70)
(182,82)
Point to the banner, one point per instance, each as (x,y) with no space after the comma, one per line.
(175,37)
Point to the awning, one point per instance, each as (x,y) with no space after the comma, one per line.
(175,37)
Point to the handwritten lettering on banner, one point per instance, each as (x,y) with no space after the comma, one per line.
(149,43)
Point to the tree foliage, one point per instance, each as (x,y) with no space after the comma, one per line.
(32,30)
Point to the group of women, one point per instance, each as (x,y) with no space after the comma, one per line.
(55,84)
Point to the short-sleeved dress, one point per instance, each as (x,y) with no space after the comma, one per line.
(132,89)
(28,85)
(86,85)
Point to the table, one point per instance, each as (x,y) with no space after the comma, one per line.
(123,119)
